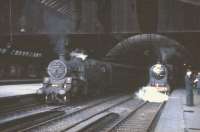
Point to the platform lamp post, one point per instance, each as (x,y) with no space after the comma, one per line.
(10,43)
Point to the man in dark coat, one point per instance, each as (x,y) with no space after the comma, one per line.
(197,81)
(189,88)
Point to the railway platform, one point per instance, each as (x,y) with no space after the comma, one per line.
(19,89)
(177,117)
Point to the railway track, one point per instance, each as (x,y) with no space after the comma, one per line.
(70,120)
(14,118)
(26,120)
(9,104)
(116,113)
(133,115)
(109,118)
(140,120)
(26,107)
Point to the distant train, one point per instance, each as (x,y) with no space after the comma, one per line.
(80,76)
(159,78)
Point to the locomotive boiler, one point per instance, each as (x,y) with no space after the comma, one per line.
(159,78)
(79,77)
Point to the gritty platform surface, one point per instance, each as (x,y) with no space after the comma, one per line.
(19,89)
(177,117)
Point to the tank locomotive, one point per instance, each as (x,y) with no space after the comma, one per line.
(79,76)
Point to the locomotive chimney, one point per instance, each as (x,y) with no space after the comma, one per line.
(65,55)
(62,57)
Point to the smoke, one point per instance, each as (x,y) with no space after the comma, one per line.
(151,94)
(79,55)
(58,27)
(167,53)
(40,19)
(59,43)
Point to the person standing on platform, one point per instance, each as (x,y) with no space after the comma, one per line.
(189,88)
(197,81)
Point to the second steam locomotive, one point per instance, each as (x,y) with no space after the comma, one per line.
(79,76)
(159,78)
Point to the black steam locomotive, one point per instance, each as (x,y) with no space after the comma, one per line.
(159,78)
(79,76)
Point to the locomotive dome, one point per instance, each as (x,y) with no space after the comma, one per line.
(57,69)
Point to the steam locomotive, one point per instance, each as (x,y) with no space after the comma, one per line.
(80,76)
(159,78)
